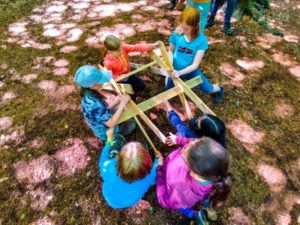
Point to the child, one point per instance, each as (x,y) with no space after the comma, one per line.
(206,125)
(128,177)
(228,14)
(203,7)
(117,61)
(196,171)
(96,111)
(187,51)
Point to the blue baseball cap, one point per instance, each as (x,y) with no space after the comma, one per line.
(87,76)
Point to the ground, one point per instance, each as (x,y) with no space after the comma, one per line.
(48,156)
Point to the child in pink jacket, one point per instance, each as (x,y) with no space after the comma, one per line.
(116,59)
(196,171)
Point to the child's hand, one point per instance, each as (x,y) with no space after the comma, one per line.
(158,154)
(160,161)
(166,72)
(125,99)
(176,73)
(118,98)
(179,30)
(155,44)
(171,140)
(169,107)
(110,134)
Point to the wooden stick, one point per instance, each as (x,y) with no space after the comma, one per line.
(170,68)
(165,55)
(157,60)
(124,76)
(135,108)
(155,70)
(125,88)
(181,85)
(146,136)
(158,99)
(186,106)
(199,103)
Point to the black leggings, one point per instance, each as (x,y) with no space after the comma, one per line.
(137,83)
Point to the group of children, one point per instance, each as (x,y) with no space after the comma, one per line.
(197,171)
(208,7)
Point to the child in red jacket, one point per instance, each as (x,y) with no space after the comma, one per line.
(116,59)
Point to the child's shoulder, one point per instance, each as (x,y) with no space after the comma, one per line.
(110,166)
(202,38)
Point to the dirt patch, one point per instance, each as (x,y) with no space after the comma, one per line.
(283,59)
(238,216)
(8,96)
(5,122)
(35,171)
(138,213)
(40,199)
(72,158)
(233,74)
(247,64)
(284,110)
(273,176)
(246,134)
(295,71)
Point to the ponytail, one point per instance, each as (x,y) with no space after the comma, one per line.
(221,191)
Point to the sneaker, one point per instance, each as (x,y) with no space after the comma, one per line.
(201,217)
(127,127)
(218,96)
(227,30)
(212,215)
(210,22)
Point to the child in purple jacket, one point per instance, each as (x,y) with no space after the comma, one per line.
(196,171)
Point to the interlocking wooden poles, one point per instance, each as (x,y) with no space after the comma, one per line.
(180,89)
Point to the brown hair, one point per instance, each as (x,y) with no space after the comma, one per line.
(134,162)
(112,43)
(209,159)
(191,17)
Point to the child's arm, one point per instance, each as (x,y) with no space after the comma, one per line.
(182,141)
(104,156)
(179,125)
(153,171)
(195,65)
(113,120)
(115,103)
(139,47)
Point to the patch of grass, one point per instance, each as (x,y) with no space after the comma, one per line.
(11,11)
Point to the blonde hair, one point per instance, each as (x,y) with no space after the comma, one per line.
(112,43)
(134,162)
(191,16)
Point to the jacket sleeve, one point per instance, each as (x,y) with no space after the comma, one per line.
(137,48)
(153,172)
(182,141)
(104,158)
